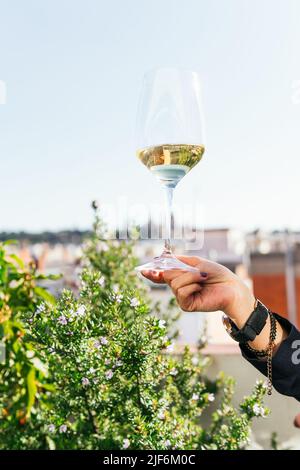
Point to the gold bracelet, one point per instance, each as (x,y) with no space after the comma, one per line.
(268,352)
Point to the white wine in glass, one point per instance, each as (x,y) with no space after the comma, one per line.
(170,140)
(171,162)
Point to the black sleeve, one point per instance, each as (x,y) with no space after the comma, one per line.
(286,361)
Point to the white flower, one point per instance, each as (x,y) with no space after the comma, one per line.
(167,443)
(211,397)
(97,344)
(103,340)
(85,381)
(119,298)
(51,428)
(101,281)
(195,361)
(62,320)
(259,410)
(161,414)
(256,409)
(173,372)
(126,443)
(71,315)
(63,428)
(107,362)
(92,370)
(162,323)
(118,363)
(195,397)
(41,308)
(109,374)
(80,312)
(134,302)
(115,288)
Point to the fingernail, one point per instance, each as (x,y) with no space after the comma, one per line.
(203,274)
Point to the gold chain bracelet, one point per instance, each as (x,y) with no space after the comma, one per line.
(268,352)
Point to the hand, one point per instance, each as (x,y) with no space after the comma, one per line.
(212,288)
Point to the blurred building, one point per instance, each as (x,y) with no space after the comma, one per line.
(274,266)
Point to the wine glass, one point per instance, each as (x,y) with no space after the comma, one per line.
(170,141)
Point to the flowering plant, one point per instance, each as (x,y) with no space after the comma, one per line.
(109,379)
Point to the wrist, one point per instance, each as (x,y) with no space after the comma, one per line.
(241,305)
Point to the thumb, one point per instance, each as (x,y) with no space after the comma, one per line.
(192,261)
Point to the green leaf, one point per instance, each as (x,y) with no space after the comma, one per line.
(10,242)
(31,389)
(50,443)
(47,386)
(51,277)
(41,292)
(17,260)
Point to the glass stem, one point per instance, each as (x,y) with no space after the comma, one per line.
(168,224)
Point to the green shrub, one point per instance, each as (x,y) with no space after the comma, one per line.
(95,371)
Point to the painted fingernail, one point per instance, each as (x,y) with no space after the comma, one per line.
(204,274)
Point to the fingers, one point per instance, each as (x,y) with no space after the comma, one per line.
(154,276)
(160,277)
(184,279)
(185,296)
(192,260)
(172,274)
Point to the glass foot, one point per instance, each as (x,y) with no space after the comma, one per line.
(165,263)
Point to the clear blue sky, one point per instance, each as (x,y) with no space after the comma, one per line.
(73,71)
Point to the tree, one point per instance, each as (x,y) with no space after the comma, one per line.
(23,378)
